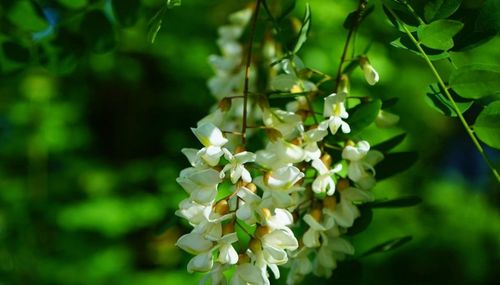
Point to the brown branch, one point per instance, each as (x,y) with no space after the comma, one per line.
(247,71)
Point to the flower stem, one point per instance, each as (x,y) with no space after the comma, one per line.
(361,7)
(247,72)
(468,129)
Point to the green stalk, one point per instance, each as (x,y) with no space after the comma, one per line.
(468,129)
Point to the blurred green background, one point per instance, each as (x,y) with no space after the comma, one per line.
(93,117)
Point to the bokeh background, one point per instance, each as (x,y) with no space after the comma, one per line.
(91,128)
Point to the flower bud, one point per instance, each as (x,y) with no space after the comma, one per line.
(243,258)
(262,231)
(265,213)
(222,207)
(267,175)
(228,228)
(330,202)
(344,84)
(342,184)
(252,187)
(240,148)
(225,104)
(371,74)
(327,160)
(273,134)
(254,245)
(386,120)
(349,143)
(316,214)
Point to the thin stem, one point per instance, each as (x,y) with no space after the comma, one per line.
(247,72)
(361,7)
(469,130)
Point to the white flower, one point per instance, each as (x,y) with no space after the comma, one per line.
(324,181)
(193,212)
(300,266)
(248,205)
(194,243)
(279,154)
(335,248)
(311,139)
(335,111)
(346,211)
(279,187)
(288,123)
(247,273)
(227,253)
(361,163)
(316,229)
(275,243)
(213,140)
(202,262)
(200,183)
(370,73)
(236,166)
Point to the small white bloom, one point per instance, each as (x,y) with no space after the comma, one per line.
(334,110)
(361,163)
(370,73)
(213,140)
(200,183)
(279,154)
(248,273)
(288,123)
(316,229)
(324,181)
(227,253)
(248,206)
(236,166)
(194,243)
(311,139)
(202,262)
(346,211)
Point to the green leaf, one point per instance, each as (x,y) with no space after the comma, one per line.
(388,245)
(352,19)
(404,42)
(439,34)
(389,144)
(24,15)
(74,4)
(155,23)
(439,102)
(304,30)
(361,223)
(395,163)
(16,52)
(487,125)
(98,32)
(126,11)
(409,201)
(363,115)
(440,9)
(482,23)
(403,14)
(389,102)
(476,81)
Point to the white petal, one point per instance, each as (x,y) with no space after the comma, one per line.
(201,263)
(228,254)
(194,243)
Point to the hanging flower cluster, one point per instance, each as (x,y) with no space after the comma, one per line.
(284,199)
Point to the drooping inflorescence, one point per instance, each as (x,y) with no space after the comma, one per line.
(284,199)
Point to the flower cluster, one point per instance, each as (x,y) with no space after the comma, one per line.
(246,208)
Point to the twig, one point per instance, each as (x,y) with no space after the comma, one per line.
(247,72)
